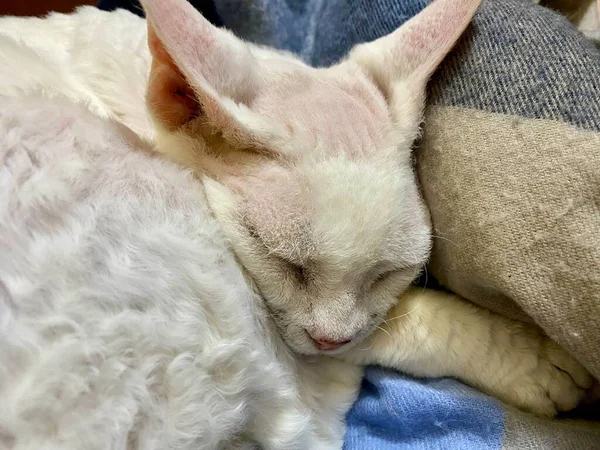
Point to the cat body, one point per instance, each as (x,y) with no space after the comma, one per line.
(146,307)
(126,322)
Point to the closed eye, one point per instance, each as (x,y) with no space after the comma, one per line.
(382,276)
(253,233)
(299,272)
(391,274)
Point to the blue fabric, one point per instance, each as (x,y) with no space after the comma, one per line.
(397,412)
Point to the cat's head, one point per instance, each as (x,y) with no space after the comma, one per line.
(308,170)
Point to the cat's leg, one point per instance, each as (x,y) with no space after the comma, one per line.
(305,402)
(282,423)
(431,334)
(328,388)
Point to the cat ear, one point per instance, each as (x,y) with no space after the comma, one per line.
(200,70)
(412,52)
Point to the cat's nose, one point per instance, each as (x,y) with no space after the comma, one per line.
(324,343)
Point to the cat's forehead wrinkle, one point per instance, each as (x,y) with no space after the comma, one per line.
(344,113)
(352,79)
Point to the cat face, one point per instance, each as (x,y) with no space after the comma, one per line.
(330,242)
(308,170)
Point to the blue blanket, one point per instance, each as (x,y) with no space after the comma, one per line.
(395,411)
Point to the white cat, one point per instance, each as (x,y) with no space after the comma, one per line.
(127,322)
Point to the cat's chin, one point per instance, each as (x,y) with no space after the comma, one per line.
(299,341)
(309,348)
(316,352)
(337,351)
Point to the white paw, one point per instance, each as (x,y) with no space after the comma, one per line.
(544,378)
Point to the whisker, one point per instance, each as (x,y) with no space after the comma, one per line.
(384,330)
(367,349)
(405,314)
(401,315)
(435,236)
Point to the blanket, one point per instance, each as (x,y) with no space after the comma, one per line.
(396,412)
(509,166)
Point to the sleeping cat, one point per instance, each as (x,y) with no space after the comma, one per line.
(127,323)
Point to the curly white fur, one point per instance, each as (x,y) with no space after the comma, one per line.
(125,320)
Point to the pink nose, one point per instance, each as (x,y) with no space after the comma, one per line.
(323,343)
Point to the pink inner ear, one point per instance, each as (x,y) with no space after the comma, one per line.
(212,60)
(170,99)
(417,47)
(185,33)
(199,68)
(431,34)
